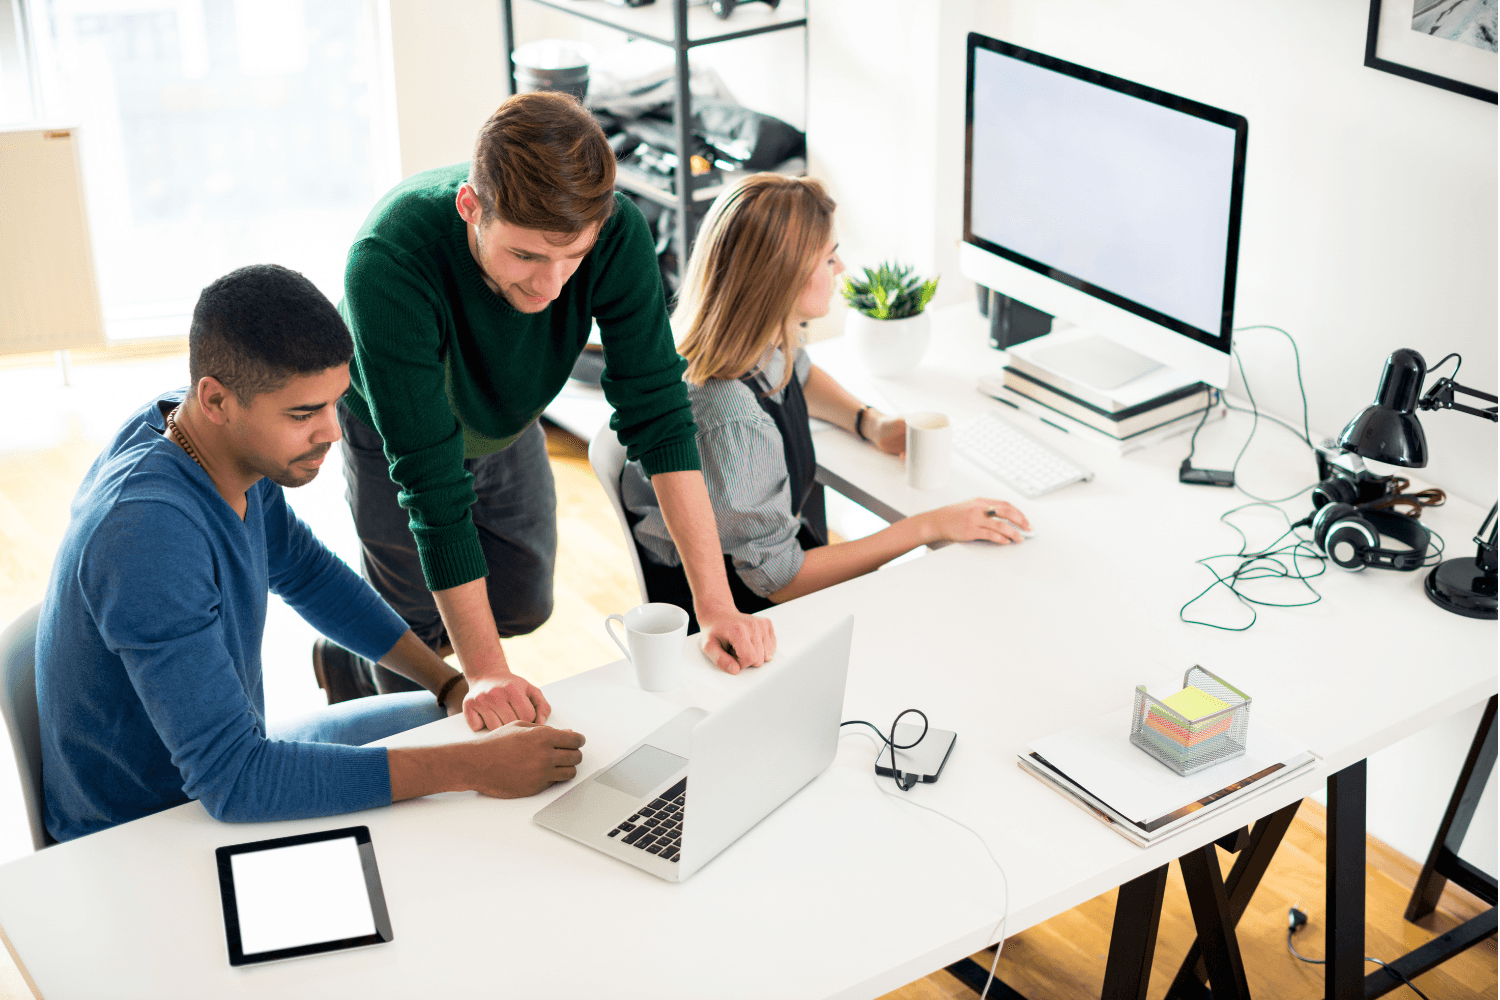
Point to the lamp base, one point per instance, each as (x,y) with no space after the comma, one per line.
(1460,586)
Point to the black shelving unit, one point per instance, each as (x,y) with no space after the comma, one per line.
(647,23)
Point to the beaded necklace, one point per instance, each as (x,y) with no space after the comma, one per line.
(181,438)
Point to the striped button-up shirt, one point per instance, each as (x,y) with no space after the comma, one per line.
(744,467)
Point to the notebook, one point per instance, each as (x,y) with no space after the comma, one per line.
(1095,766)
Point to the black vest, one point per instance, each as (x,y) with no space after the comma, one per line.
(668,584)
(790,417)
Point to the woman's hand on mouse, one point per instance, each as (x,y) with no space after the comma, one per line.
(979,519)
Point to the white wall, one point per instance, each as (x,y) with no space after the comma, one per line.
(1370,221)
(448,59)
(1369,206)
(1411,783)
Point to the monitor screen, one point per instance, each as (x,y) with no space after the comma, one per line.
(1123,192)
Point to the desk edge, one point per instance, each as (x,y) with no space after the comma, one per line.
(10,950)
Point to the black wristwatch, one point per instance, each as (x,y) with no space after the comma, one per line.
(442,695)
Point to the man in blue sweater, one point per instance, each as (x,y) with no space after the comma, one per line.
(148,650)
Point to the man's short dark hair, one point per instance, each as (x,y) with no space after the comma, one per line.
(257,327)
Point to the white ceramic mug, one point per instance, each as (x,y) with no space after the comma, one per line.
(927,448)
(655,634)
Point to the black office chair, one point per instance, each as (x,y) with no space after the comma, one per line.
(19,712)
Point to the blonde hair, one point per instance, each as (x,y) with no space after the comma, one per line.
(756,250)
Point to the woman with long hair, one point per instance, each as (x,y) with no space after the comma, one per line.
(765,263)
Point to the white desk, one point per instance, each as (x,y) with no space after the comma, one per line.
(1123,546)
(842,892)
(1145,532)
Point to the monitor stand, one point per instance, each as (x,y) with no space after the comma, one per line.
(1096,361)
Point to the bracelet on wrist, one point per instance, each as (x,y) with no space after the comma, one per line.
(448,685)
(859,423)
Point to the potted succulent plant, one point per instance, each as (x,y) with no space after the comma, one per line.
(886,325)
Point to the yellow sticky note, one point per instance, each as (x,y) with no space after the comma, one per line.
(1193,704)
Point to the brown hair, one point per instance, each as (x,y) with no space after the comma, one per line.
(542,162)
(758,246)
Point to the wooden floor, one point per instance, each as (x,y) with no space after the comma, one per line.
(1063,958)
(1060,959)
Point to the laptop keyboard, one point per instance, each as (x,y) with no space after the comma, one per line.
(657,827)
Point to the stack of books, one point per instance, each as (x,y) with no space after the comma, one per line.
(1123,418)
(1097,768)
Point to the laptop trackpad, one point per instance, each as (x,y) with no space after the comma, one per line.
(642,771)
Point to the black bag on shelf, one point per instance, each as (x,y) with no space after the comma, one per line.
(756,141)
(751,139)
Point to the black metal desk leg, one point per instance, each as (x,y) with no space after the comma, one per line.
(1344,938)
(1210,906)
(1444,863)
(1250,866)
(1132,942)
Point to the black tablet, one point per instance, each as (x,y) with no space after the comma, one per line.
(302,895)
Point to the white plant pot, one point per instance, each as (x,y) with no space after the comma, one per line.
(889,348)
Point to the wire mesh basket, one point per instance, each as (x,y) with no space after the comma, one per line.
(1189,745)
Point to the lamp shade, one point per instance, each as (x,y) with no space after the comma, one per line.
(1388,430)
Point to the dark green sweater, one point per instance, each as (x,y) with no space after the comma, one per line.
(445,369)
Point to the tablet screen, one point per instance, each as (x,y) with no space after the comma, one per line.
(301,895)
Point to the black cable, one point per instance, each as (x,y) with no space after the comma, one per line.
(1265,416)
(1265,564)
(862,722)
(1214,397)
(1297,361)
(1270,563)
(890,741)
(1298,918)
(1399,975)
(1304,435)
(1456,367)
(1434,541)
(1255,423)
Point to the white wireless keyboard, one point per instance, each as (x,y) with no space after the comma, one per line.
(1016,458)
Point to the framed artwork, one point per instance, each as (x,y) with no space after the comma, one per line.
(1444,43)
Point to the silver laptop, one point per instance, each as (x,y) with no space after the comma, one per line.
(743,761)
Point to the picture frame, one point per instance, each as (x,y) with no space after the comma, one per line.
(1393,47)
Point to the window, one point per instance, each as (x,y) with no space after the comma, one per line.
(17,68)
(215,134)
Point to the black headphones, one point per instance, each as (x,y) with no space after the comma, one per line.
(1349,536)
(1355,491)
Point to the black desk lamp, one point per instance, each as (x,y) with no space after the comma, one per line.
(1388,431)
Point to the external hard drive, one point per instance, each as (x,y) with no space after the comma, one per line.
(925,760)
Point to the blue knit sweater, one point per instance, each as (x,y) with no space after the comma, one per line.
(148,651)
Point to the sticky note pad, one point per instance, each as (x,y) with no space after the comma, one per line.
(1193,704)
(1190,736)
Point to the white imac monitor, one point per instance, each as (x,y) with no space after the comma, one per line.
(1107,203)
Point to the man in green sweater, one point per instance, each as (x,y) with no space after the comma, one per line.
(470,292)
